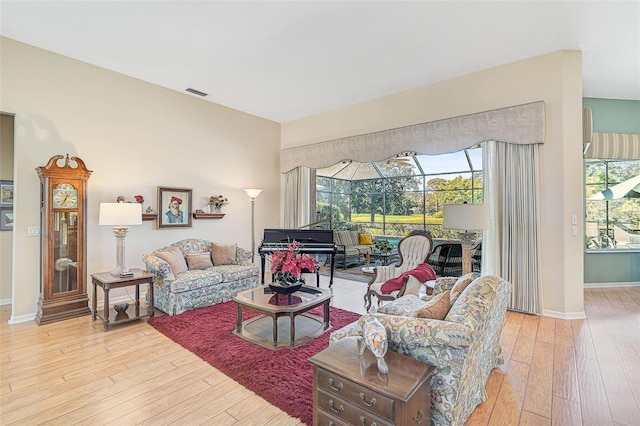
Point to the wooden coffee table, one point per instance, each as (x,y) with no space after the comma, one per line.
(264,329)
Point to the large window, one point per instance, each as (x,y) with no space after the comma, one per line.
(396,196)
(612,217)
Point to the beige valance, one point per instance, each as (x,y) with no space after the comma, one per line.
(520,124)
(614,146)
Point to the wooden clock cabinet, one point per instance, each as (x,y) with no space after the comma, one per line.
(63,226)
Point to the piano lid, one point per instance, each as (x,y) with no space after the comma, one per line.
(302,236)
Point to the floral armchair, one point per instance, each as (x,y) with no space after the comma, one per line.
(464,347)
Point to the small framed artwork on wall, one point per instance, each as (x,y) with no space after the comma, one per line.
(174,207)
(6,219)
(6,193)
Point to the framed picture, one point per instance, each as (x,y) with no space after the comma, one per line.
(6,219)
(6,193)
(174,207)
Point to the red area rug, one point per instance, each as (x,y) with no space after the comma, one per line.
(283,377)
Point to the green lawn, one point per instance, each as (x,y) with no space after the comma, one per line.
(414,218)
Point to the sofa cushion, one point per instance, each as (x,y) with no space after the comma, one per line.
(365,239)
(223,254)
(436,308)
(193,280)
(173,256)
(405,306)
(460,285)
(199,261)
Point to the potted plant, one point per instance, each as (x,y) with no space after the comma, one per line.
(286,267)
(383,246)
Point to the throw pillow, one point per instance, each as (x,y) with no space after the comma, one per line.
(199,261)
(223,254)
(365,239)
(173,256)
(436,308)
(462,283)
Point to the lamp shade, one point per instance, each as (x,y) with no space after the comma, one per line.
(253,193)
(465,216)
(120,214)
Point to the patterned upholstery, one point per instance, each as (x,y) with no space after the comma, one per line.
(464,347)
(177,293)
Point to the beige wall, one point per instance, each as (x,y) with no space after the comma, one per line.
(135,136)
(553,78)
(6,237)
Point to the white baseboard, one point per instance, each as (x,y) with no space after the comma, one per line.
(619,284)
(6,301)
(564,315)
(22,318)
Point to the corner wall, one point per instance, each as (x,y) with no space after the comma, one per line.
(135,136)
(554,78)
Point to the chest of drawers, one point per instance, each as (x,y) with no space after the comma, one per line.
(349,389)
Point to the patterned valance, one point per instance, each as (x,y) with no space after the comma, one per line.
(520,124)
(614,146)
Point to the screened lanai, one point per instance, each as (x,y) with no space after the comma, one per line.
(398,195)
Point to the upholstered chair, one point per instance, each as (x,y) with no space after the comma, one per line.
(413,250)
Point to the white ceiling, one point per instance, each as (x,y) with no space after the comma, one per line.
(286,60)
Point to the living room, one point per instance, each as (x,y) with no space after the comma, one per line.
(136,136)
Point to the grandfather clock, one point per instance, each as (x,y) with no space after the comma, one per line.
(63,226)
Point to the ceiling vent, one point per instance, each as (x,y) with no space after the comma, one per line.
(196,92)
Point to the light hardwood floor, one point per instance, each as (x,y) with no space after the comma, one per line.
(556,372)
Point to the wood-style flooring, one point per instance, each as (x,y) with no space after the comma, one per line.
(581,372)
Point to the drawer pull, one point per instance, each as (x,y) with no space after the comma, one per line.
(331,423)
(371,404)
(333,407)
(418,418)
(338,388)
(364,424)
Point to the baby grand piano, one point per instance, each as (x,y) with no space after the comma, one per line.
(311,241)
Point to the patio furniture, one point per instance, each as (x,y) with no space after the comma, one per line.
(446,259)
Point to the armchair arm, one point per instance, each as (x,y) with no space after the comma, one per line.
(243,256)
(158,266)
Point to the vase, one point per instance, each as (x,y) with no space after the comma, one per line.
(281,289)
(217,209)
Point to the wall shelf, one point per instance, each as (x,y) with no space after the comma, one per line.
(149,216)
(208,215)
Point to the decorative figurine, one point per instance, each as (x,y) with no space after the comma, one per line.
(374,337)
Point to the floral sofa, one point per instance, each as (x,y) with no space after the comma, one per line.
(175,293)
(464,346)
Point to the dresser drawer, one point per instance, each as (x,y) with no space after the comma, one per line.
(346,412)
(326,419)
(355,394)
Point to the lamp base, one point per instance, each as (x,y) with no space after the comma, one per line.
(466,238)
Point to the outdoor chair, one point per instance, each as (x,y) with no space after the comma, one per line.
(446,259)
(412,250)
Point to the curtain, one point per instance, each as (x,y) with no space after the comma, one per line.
(299,197)
(511,190)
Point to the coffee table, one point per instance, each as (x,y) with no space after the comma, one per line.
(385,258)
(282,314)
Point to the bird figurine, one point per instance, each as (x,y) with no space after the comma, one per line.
(374,337)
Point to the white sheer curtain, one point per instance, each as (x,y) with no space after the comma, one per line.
(299,197)
(511,246)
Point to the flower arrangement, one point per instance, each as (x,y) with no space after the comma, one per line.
(218,200)
(139,198)
(287,265)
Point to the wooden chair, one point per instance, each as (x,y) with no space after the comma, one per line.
(413,250)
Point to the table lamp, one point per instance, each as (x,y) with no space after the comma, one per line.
(253,194)
(120,216)
(467,217)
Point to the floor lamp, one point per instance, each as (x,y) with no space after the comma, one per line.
(120,216)
(253,194)
(466,217)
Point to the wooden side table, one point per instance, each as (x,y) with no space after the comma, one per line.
(349,389)
(107,281)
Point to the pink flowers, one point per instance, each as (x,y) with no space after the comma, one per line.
(218,200)
(139,198)
(287,265)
